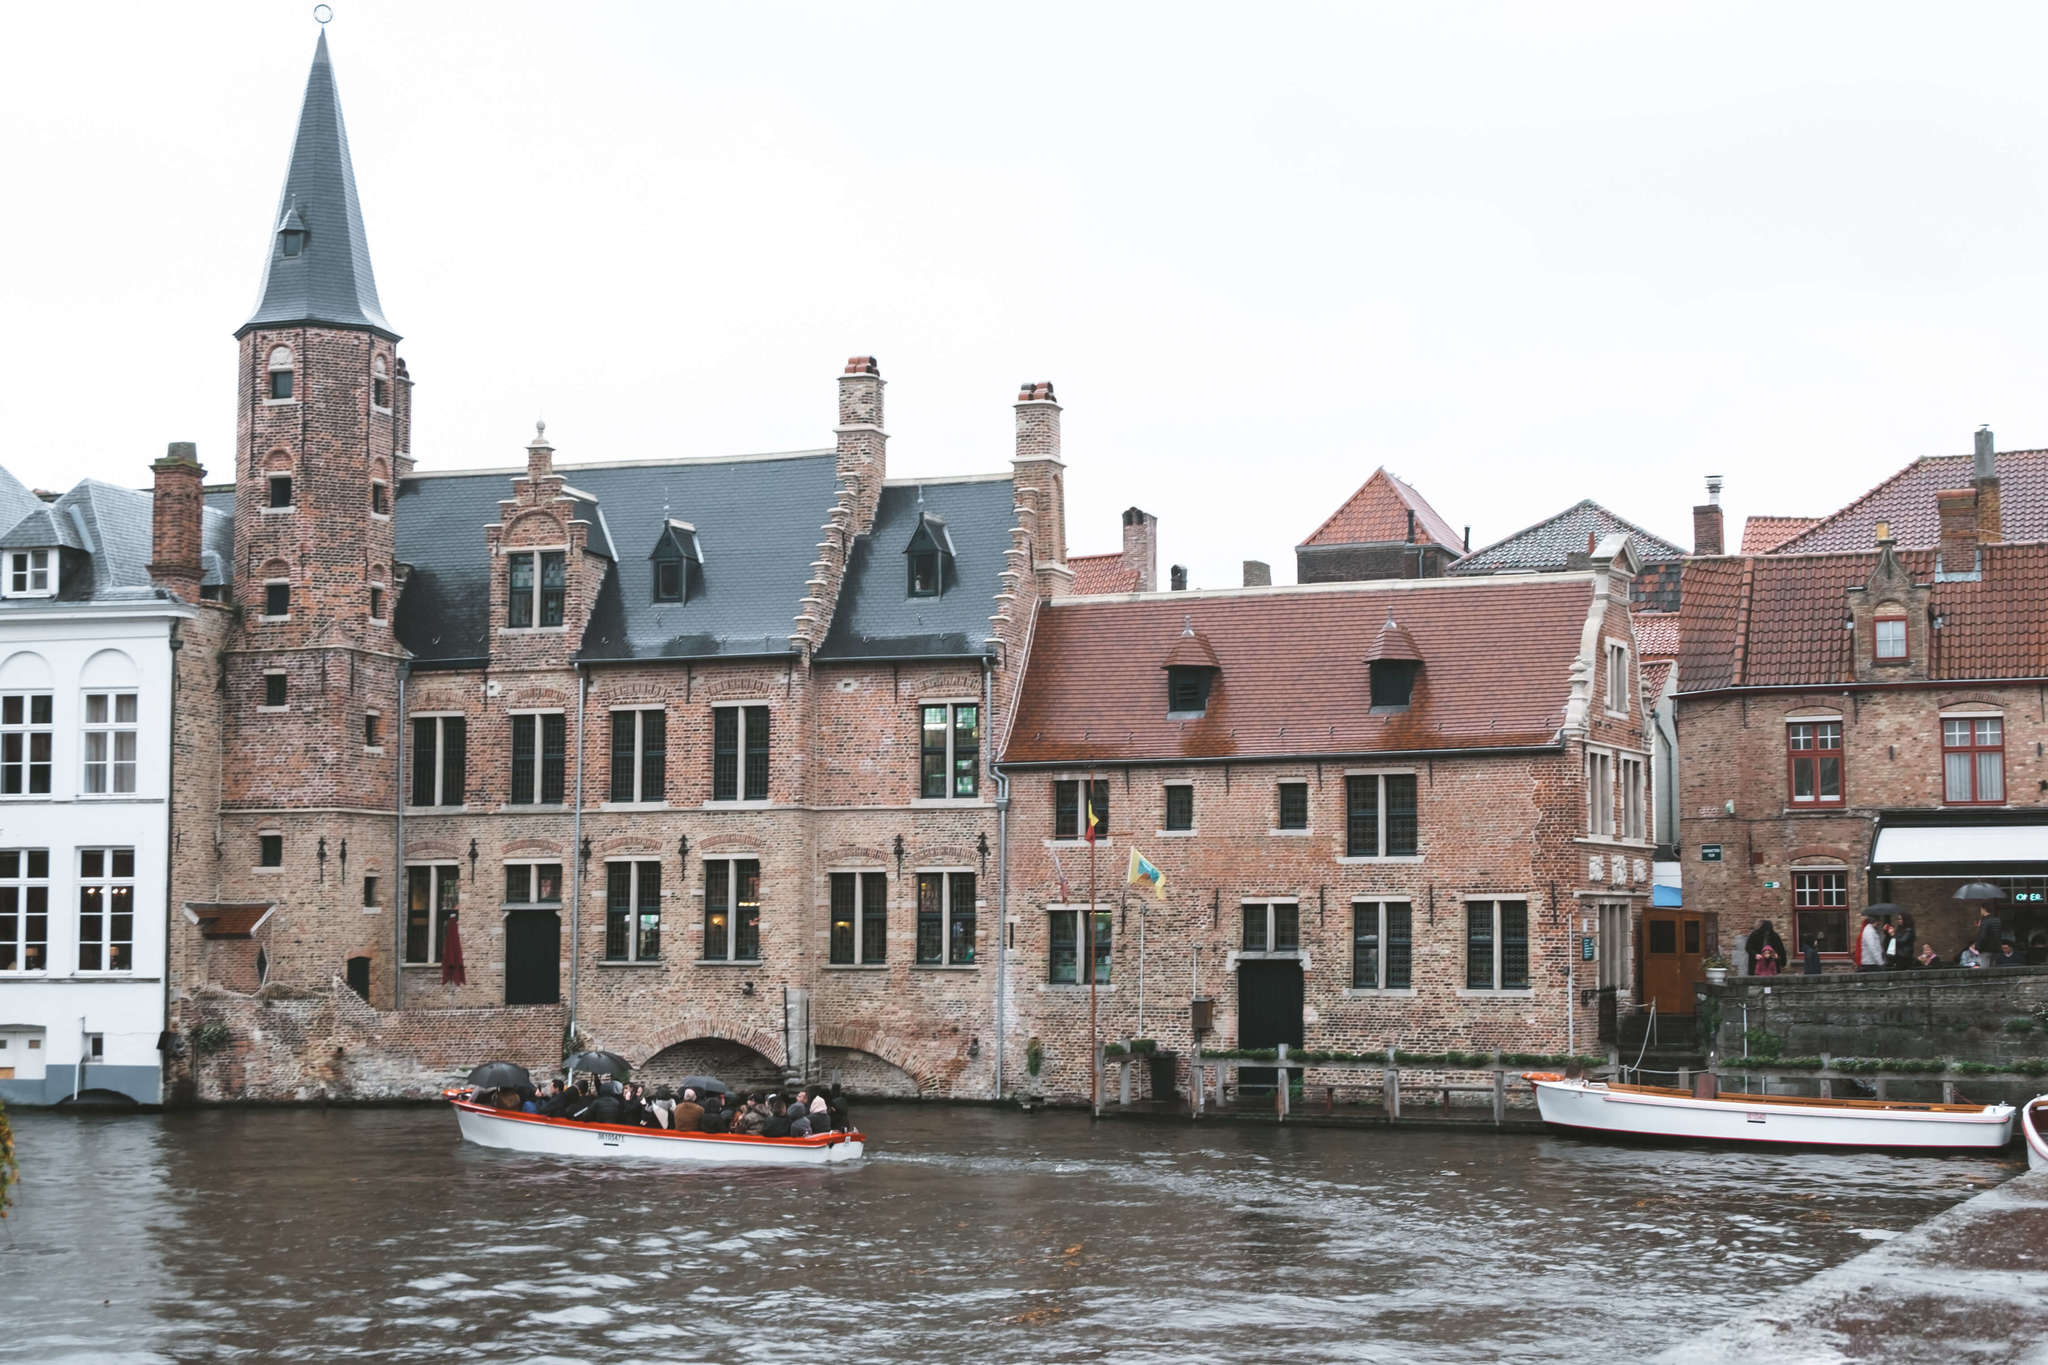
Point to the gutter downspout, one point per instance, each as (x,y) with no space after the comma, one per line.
(576,855)
(988,692)
(170,833)
(399,888)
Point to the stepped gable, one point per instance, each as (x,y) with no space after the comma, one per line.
(1292,677)
(1907,503)
(1761,535)
(877,617)
(1776,620)
(1378,513)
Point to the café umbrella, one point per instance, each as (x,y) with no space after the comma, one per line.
(1980,891)
(599,1064)
(499,1076)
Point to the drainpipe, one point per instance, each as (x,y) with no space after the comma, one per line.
(988,692)
(576,855)
(163,1055)
(399,889)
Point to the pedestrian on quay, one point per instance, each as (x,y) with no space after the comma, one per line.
(1972,956)
(1905,940)
(1927,959)
(1989,931)
(2008,954)
(1809,961)
(1760,938)
(1870,957)
(1765,961)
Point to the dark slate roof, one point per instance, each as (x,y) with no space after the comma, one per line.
(879,619)
(330,280)
(1543,547)
(109,527)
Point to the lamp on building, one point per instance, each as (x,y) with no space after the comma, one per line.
(747,989)
(974,1047)
(981,847)
(472,861)
(899,855)
(683,856)
(585,850)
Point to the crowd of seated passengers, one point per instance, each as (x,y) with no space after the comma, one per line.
(811,1111)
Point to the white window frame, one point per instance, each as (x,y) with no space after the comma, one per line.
(533,877)
(640,711)
(1613,919)
(372,714)
(380,372)
(952,709)
(412,801)
(24,734)
(284,705)
(1633,817)
(946,943)
(112,729)
(1378,906)
(384,515)
(1600,793)
(732,911)
(860,916)
(1270,903)
(24,884)
(1617,678)
(1529,929)
(108,884)
(741,771)
(284,583)
(434,866)
(271,507)
(273,365)
(1878,653)
(380,596)
(23,568)
(634,910)
(1104,911)
(538,730)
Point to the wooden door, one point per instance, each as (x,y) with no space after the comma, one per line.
(1674,943)
(1269,1012)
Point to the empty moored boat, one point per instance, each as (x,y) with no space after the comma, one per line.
(512,1131)
(2033,1118)
(1648,1111)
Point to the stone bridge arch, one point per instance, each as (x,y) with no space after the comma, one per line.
(704,1041)
(932,1065)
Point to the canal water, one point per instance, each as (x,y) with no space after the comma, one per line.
(969,1234)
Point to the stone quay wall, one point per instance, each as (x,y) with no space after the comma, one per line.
(1986,1015)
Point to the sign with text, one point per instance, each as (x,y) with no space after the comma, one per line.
(1710,853)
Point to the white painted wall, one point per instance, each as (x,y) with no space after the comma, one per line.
(70,649)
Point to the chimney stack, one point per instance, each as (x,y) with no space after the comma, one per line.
(1984,478)
(1258,574)
(540,455)
(1706,521)
(862,444)
(1037,472)
(177,521)
(1180,577)
(1958,508)
(1141,547)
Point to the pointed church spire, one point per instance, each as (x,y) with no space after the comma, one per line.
(316,264)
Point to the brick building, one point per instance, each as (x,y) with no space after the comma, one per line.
(1865,725)
(1387,812)
(1384,530)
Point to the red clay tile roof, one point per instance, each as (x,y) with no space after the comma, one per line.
(1378,511)
(228,921)
(1393,643)
(1654,674)
(1906,500)
(1191,650)
(1656,634)
(1776,620)
(1498,655)
(1761,535)
(1098,574)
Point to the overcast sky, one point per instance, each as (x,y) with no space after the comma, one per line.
(1518,254)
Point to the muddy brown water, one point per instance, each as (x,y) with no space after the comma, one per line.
(968,1234)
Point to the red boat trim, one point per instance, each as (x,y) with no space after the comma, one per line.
(823,1140)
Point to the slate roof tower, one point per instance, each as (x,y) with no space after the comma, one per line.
(323,409)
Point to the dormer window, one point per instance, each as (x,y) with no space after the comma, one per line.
(280,374)
(678,562)
(31,573)
(1392,664)
(1890,637)
(1187,690)
(1191,670)
(380,385)
(930,556)
(291,233)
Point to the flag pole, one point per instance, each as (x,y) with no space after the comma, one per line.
(1094,1050)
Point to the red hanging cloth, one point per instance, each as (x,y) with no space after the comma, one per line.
(451,954)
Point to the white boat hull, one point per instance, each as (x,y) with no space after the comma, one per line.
(1633,1111)
(2037,1143)
(513,1132)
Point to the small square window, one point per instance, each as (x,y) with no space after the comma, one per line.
(280,384)
(277,599)
(274,689)
(1293,805)
(280,490)
(369,892)
(668,580)
(376,603)
(380,393)
(380,498)
(1180,807)
(270,850)
(373,730)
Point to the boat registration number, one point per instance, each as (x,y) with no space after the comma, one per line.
(617,1139)
(1756,1118)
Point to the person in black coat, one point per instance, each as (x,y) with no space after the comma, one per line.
(1989,931)
(778,1118)
(1905,944)
(1758,937)
(717,1118)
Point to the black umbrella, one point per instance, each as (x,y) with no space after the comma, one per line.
(704,1085)
(499,1076)
(1884,908)
(599,1064)
(1980,891)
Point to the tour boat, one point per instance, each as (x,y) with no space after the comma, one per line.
(511,1131)
(1659,1112)
(2033,1117)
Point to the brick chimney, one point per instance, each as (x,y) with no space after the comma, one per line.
(1258,574)
(1180,577)
(1984,479)
(1039,476)
(1958,529)
(1141,547)
(862,442)
(177,521)
(1706,521)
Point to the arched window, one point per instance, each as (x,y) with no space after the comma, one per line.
(380,385)
(280,373)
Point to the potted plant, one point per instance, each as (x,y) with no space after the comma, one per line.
(1717,969)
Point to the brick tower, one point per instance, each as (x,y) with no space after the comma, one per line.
(323,416)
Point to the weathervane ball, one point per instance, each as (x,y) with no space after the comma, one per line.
(322,14)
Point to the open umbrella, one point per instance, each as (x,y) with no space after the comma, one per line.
(1884,908)
(599,1064)
(499,1076)
(1980,891)
(451,955)
(704,1084)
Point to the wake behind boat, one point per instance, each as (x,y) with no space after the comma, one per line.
(512,1131)
(1648,1111)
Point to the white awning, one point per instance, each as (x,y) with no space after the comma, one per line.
(1962,844)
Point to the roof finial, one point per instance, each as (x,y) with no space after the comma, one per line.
(1187,625)
(323,15)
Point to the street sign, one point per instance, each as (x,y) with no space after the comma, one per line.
(1710,853)
(1586,948)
